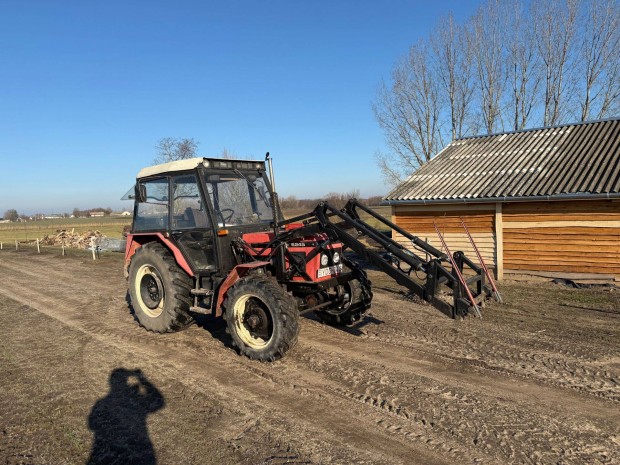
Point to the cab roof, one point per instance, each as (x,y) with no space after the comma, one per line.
(191,163)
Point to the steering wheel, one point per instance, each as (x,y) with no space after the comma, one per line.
(226,219)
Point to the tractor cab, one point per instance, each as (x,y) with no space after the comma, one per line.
(208,237)
(194,202)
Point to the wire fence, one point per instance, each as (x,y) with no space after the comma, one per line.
(96,246)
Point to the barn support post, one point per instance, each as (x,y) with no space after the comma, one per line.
(499,242)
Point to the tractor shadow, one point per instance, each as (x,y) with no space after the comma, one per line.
(355,329)
(216,327)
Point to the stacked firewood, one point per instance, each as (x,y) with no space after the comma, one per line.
(72,238)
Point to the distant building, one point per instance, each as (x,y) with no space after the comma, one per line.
(96,214)
(125,213)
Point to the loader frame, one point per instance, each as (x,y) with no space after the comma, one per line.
(464,278)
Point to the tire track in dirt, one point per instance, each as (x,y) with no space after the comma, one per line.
(466,417)
(515,362)
(361,435)
(512,356)
(428,403)
(311,388)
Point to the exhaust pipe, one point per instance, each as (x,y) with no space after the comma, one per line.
(272,178)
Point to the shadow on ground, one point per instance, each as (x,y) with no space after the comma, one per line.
(118,420)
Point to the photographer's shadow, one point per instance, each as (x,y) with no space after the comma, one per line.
(119,420)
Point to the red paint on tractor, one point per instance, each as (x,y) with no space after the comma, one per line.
(134,241)
(237,273)
(304,245)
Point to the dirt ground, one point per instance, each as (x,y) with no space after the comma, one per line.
(536,381)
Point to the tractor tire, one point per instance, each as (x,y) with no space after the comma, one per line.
(261,317)
(351,311)
(159,289)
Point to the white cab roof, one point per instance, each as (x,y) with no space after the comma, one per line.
(181,165)
(178,165)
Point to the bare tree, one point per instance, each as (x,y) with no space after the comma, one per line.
(523,71)
(172,149)
(554,23)
(289,203)
(11,215)
(508,66)
(488,51)
(409,112)
(600,51)
(451,46)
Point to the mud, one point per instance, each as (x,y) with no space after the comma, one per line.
(537,380)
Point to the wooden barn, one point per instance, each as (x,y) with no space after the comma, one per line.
(543,201)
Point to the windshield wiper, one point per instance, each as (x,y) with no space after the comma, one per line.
(260,194)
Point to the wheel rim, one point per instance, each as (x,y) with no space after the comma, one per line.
(346,301)
(150,291)
(253,321)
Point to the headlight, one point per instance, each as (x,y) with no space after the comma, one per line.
(324,260)
(336,257)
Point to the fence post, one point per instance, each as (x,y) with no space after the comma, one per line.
(1,246)
(63,249)
(92,247)
(38,247)
(16,245)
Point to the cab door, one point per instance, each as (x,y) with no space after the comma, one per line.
(191,225)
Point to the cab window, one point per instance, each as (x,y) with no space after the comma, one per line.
(188,212)
(152,213)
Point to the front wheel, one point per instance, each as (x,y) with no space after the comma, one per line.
(357,298)
(261,318)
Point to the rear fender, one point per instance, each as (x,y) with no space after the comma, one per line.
(135,241)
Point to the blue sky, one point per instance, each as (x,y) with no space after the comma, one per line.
(88,88)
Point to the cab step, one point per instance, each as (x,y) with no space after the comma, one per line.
(202,292)
(201,310)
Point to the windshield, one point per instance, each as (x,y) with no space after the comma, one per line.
(239,199)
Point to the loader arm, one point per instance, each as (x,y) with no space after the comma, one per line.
(397,261)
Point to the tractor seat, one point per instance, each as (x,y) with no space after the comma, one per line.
(196,218)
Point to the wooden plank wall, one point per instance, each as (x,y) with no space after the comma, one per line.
(572,237)
(479,220)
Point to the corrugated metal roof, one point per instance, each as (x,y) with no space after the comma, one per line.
(581,158)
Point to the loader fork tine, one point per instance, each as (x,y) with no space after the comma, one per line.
(458,272)
(498,297)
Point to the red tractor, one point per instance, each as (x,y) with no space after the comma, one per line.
(208,237)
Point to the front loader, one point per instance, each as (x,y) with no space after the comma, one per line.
(208,237)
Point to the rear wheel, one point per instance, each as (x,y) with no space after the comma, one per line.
(356,300)
(261,318)
(160,291)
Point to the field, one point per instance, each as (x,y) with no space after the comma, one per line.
(110,226)
(536,381)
